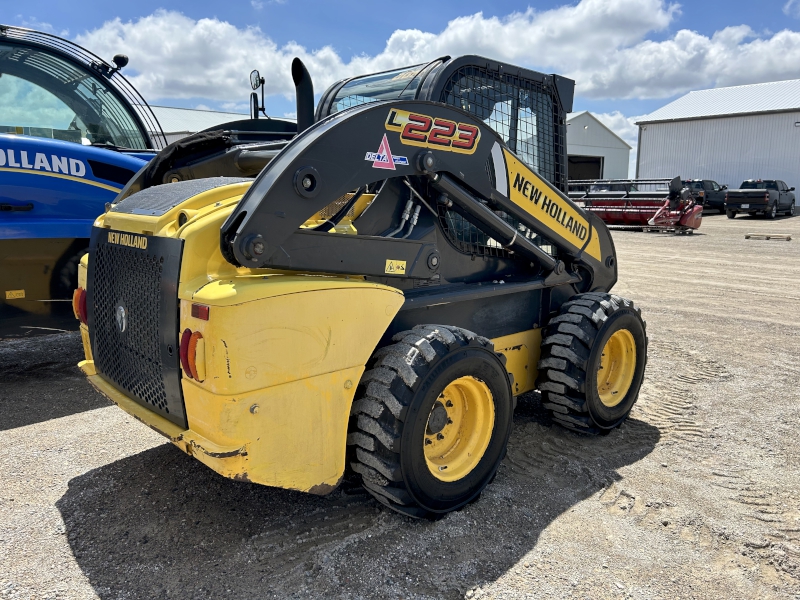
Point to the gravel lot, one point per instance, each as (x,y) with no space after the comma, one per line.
(696,496)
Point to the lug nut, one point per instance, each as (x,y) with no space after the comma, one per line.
(439,436)
(449,404)
(428,441)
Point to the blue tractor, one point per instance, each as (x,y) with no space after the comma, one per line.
(73,131)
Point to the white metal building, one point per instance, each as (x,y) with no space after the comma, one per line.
(177,123)
(725,134)
(594,151)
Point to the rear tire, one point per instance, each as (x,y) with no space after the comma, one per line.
(731,214)
(431,421)
(593,359)
(772,212)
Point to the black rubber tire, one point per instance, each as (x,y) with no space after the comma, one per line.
(731,214)
(772,212)
(64,280)
(571,349)
(790,212)
(390,414)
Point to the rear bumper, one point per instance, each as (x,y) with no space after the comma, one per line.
(747,207)
(289,436)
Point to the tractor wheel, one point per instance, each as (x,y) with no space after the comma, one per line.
(592,363)
(431,421)
(731,214)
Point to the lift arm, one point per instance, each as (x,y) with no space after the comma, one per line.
(463,158)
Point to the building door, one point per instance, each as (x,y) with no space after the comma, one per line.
(585,167)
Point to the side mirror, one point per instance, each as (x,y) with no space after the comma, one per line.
(791,189)
(255,79)
(255,107)
(724,187)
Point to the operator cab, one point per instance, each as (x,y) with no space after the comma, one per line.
(524,107)
(63,92)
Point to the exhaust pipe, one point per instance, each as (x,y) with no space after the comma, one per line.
(304,90)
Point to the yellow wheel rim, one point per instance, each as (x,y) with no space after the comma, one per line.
(459,428)
(617,367)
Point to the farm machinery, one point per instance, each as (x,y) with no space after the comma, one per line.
(374,302)
(647,204)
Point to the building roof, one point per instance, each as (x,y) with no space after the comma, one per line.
(776,96)
(583,115)
(191,120)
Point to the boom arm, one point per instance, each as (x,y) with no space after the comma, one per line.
(464,159)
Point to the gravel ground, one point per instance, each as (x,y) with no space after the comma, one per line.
(696,496)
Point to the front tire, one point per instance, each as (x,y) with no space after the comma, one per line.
(431,422)
(593,359)
(791,209)
(731,214)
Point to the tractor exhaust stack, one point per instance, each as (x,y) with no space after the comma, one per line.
(304,90)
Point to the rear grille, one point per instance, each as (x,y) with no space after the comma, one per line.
(133,319)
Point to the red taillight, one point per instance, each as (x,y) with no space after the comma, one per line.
(184,352)
(200,311)
(192,356)
(79,304)
(188,355)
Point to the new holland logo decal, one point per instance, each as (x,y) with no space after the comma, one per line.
(383,158)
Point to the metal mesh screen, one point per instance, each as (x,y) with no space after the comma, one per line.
(336,205)
(470,239)
(523,112)
(129,277)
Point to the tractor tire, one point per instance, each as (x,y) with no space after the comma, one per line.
(65,279)
(431,420)
(592,364)
(731,214)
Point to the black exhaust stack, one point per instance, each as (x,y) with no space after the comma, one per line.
(305,95)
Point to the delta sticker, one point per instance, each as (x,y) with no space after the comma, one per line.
(383,158)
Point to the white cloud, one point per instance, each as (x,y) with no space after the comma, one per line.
(792,9)
(602,44)
(34,23)
(256,4)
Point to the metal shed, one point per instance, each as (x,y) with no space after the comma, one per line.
(593,150)
(725,134)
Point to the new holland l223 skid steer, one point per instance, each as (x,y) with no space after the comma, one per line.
(398,273)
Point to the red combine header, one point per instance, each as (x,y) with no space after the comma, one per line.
(646,204)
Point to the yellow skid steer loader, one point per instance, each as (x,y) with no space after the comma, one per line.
(397,273)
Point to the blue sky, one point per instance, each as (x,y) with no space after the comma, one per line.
(629,57)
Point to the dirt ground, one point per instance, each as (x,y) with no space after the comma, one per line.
(696,496)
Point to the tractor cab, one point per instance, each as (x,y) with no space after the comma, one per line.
(53,89)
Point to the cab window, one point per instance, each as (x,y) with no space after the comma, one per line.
(43,95)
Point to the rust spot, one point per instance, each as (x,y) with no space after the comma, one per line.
(227,359)
(230,454)
(322,489)
(242,477)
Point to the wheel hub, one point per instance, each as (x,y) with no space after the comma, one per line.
(459,428)
(437,419)
(617,368)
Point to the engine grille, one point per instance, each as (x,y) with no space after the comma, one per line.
(133,319)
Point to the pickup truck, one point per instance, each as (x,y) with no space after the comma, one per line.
(767,197)
(707,193)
